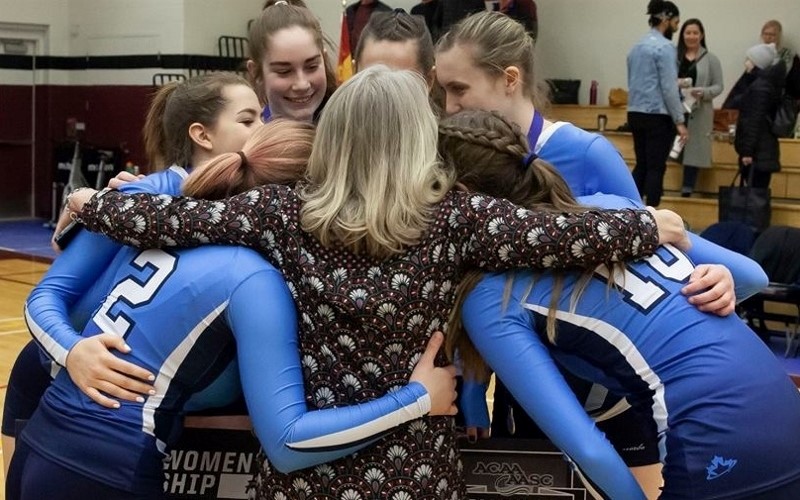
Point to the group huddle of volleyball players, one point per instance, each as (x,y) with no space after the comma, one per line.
(327,252)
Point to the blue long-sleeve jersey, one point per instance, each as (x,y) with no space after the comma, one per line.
(186,316)
(550,401)
(712,389)
(88,271)
(71,289)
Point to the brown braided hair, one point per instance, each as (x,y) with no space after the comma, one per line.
(490,155)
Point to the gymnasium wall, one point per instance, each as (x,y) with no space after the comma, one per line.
(579,39)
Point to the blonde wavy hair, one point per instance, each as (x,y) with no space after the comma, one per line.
(276,153)
(374,174)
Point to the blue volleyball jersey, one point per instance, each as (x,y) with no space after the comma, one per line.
(726,412)
(186,316)
(173,317)
(66,296)
(588,162)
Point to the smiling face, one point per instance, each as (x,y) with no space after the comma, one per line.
(237,120)
(294,74)
(692,36)
(466,85)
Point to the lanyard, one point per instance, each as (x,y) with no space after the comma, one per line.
(536,129)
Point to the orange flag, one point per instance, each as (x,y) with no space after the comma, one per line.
(344,69)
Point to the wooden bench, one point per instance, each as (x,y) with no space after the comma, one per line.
(700,211)
(585,117)
(785,184)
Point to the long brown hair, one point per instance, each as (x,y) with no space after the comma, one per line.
(490,155)
(175,106)
(274,18)
(496,42)
(276,153)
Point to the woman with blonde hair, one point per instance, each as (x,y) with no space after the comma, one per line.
(372,244)
(487,62)
(200,355)
(772,32)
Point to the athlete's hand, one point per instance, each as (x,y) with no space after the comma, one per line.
(100,374)
(670,228)
(476,433)
(474,409)
(123,178)
(63,221)
(711,289)
(440,382)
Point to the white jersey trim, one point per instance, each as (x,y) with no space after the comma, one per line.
(626,348)
(415,410)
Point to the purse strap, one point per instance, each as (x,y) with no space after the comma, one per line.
(694,63)
(741,177)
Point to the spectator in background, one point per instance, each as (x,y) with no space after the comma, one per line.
(449,12)
(756,96)
(358,15)
(654,104)
(427,9)
(705,71)
(523,11)
(772,32)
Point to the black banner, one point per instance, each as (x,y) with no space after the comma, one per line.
(221,463)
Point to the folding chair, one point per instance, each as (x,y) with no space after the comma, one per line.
(777,250)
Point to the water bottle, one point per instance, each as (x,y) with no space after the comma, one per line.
(601,123)
(677,148)
(593,93)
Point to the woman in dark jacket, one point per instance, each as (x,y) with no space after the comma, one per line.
(756,96)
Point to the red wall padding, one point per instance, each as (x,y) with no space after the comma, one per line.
(113,114)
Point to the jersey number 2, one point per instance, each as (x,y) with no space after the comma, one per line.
(134,292)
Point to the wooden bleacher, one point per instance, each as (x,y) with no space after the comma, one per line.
(700,211)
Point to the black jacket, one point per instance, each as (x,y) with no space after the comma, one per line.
(793,79)
(449,12)
(428,11)
(756,95)
(350,12)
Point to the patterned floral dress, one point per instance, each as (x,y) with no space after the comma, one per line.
(364,322)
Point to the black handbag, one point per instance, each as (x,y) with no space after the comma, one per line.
(785,117)
(744,203)
(564,91)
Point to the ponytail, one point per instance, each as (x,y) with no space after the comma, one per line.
(276,153)
(155,141)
